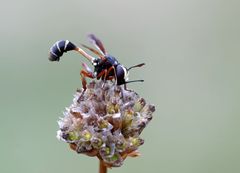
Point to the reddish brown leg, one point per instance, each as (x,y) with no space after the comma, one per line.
(101,73)
(110,77)
(108,71)
(84,74)
(105,73)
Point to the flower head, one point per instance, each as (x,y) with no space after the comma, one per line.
(105,121)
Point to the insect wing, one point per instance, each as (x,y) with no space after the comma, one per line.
(94,51)
(97,43)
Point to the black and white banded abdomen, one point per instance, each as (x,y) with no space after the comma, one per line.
(57,50)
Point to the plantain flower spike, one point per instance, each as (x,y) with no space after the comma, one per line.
(105,121)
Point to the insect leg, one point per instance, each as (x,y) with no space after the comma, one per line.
(110,77)
(101,74)
(107,73)
(86,68)
(84,74)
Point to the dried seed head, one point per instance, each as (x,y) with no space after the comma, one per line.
(106,122)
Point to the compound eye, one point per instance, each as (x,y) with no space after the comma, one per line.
(95,62)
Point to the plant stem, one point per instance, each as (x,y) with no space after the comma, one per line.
(102,167)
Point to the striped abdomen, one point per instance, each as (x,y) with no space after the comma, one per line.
(57,50)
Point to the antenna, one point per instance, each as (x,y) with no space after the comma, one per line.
(134,81)
(139,65)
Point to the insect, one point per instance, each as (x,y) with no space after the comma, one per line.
(106,67)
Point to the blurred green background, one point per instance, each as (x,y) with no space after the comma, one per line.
(192,52)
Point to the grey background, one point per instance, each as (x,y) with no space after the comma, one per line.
(191,49)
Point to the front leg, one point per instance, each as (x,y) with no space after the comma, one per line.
(83,75)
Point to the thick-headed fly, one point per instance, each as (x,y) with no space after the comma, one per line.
(106,67)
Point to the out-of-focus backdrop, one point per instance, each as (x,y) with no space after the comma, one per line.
(192,52)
